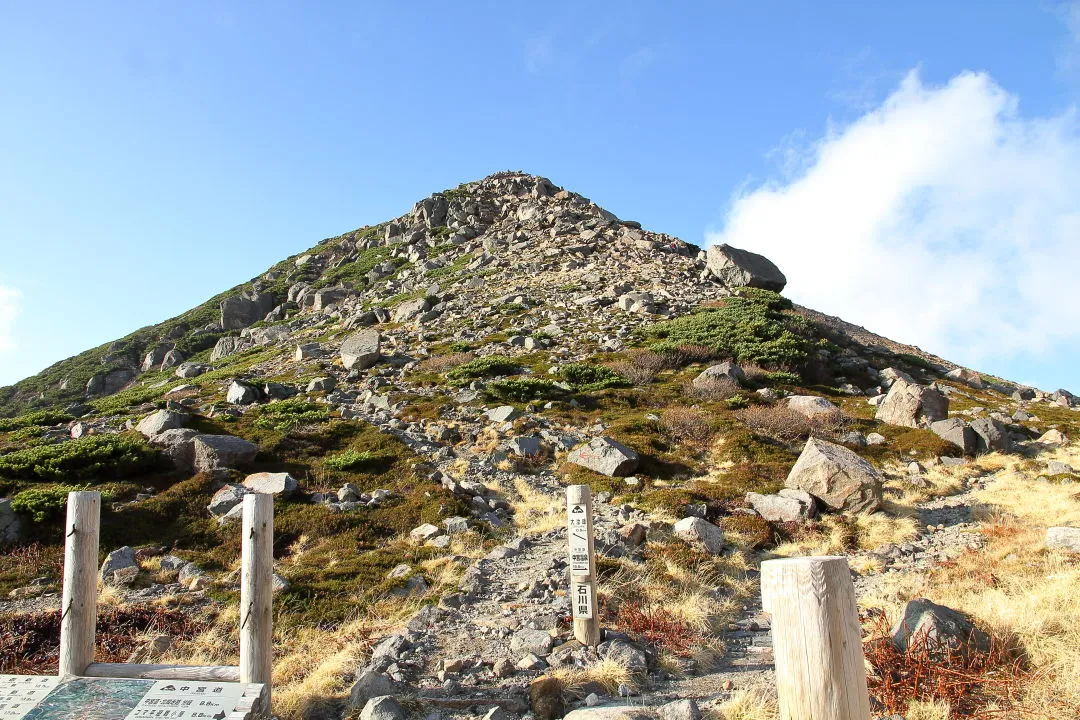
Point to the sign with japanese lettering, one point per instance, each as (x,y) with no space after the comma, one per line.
(50,698)
(583,601)
(578,532)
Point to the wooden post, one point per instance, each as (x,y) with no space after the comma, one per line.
(256,590)
(816,638)
(79,605)
(579,514)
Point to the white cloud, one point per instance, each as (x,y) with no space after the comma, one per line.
(942,218)
(9,308)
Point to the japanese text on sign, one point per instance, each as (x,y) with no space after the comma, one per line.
(176,700)
(583,602)
(578,532)
(20,693)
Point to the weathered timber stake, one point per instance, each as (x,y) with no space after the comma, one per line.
(78,608)
(816,638)
(256,590)
(579,513)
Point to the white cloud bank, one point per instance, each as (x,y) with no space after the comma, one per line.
(943,218)
(8,310)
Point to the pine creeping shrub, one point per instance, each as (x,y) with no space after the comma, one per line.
(583,376)
(487,366)
(523,389)
(349,460)
(460,347)
(35,419)
(92,458)
(286,415)
(44,503)
(756,326)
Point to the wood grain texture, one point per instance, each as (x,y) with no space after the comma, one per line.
(256,591)
(820,672)
(79,604)
(586,630)
(209,673)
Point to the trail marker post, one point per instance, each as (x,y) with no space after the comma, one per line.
(579,531)
(816,638)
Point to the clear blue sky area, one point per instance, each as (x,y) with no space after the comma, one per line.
(154,154)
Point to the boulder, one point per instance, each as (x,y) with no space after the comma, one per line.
(308,351)
(503,413)
(911,405)
(241,393)
(969,378)
(178,445)
(160,421)
(268,483)
(107,383)
(229,346)
(222,451)
(10,525)
(812,407)
(605,456)
(369,685)
(246,309)
(120,559)
(226,498)
(1052,437)
(940,626)
(685,709)
(384,707)
(991,435)
(957,432)
(154,357)
(728,370)
(322,384)
(410,309)
(890,375)
(1063,538)
(172,359)
(701,532)
(361,349)
(189,369)
(741,268)
(787,506)
(537,642)
(611,712)
(837,477)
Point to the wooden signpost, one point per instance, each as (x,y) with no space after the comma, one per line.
(579,527)
(90,690)
(816,638)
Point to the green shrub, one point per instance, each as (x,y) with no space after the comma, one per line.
(585,376)
(460,347)
(349,460)
(44,503)
(90,458)
(288,414)
(523,389)
(756,326)
(782,377)
(488,366)
(34,419)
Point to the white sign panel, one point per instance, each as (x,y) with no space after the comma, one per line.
(582,602)
(20,693)
(187,700)
(578,532)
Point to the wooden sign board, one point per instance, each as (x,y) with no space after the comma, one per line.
(25,697)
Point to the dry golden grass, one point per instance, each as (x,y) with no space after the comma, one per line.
(535,512)
(756,701)
(608,673)
(917,710)
(1014,586)
(840,535)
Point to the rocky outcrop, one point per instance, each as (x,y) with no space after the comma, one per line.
(911,405)
(737,268)
(222,451)
(939,627)
(160,421)
(245,309)
(605,456)
(837,477)
(361,350)
(957,432)
(10,525)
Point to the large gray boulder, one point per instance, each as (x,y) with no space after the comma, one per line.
(957,432)
(384,707)
(940,627)
(241,394)
(107,383)
(991,435)
(229,346)
(703,533)
(742,268)
(812,407)
(911,405)
(10,524)
(1063,538)
(369,684)
(268,483)
(968,377)
(118,560)
(361,350)
(410,309)
(789,505)
(605,456)
(189,369)
(160,421)
(246,309)
(213,452)
(178,445)
(226,498)
(725,370)
(154,357)
(837,477)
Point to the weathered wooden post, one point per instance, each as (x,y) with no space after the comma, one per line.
(256,591)
(816,639)
(78,618)
(583,603)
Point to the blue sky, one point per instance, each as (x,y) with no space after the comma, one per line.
(155,154)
